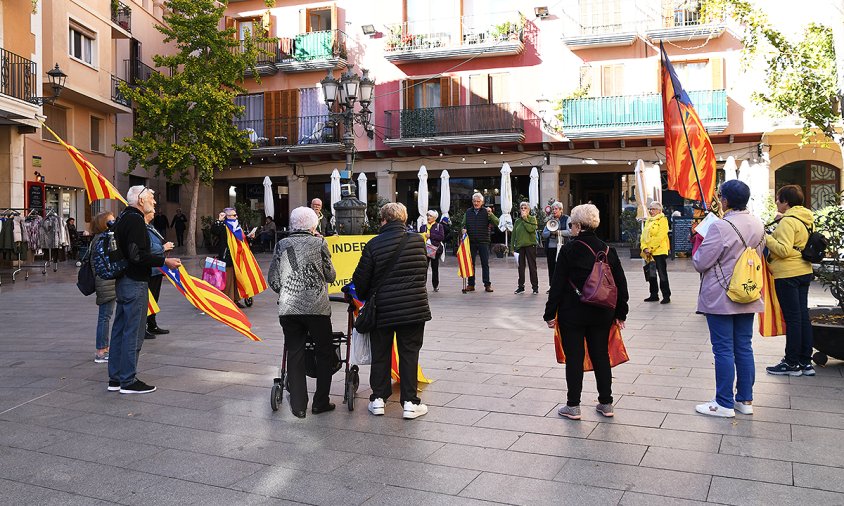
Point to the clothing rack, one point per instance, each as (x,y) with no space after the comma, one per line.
(16,211)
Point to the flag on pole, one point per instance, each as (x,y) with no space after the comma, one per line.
(689,154)
(247,274)
(152,306)
(209,300)
(465,267)
(96,186)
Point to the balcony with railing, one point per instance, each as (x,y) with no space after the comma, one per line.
(117,95)
(682,21)
(310,51)
(18,76)
(137,71)
(636,115)
(121,16)
(449,38)
(297,134)
(482,123)
(268,55)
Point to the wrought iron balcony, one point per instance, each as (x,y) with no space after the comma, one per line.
(116,94)
(121,15)
(483,123)
(137,71)
(467,36)
(18,76)
(268,56)
(293,134)
(636,115)
(312,51)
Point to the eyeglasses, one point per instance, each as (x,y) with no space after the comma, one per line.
(142,191)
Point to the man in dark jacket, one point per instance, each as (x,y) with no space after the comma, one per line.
(476,226)
(402,303)
(127,333)
(324,228)
(161,223)
(180,222)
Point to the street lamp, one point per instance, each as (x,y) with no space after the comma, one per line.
(349,212)
(57,80)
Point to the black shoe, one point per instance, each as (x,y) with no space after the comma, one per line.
(149,335)
(322,409)
(666,300)
(547,291)
(784,369)
(535,291)
(157,330)
(298,414)
(138,387)
(239,304)
(113,386)
(520,289)
(652,299)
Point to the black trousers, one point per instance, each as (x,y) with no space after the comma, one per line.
(298,330)
(180,237)
(155,289)
(551,256)
(409,342)
(662,272)
(597,340)
(434,263)
(527,255)
(480,250)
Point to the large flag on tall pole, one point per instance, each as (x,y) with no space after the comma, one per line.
(209,300)
(689,154)
(247,274)
(96,186)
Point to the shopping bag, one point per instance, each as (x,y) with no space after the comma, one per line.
(430,249)
(214,273)
(361,348)
(650,271)
(771,320)
(617,351)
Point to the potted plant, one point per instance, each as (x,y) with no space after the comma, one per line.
(631,231)
(828,322)
(500,250)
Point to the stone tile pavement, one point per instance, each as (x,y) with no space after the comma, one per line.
(208,434)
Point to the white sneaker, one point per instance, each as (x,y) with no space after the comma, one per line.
(412,411)
(712,408)
(376,407)
(744,409)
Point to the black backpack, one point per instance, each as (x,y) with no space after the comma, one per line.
(815,249)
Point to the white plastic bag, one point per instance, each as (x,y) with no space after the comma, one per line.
(361,348)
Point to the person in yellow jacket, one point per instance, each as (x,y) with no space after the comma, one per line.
(655,245)
(792,276)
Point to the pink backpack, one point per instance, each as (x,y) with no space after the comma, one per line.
(599,288)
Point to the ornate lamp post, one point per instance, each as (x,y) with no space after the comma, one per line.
(350,212)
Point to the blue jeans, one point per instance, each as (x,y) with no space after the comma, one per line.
(103,318)
(793,294)
(730,335)
(481,249)
(127,333)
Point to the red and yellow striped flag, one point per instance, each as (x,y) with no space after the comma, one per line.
(96,186)
(771,319)
(209,300)
(394,367)
(465,267)
(247,274)
(152,306)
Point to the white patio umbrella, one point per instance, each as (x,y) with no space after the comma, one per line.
(533,189)
(759,173)
(422,197)
(653,180)
(505,224)
(362,195)
(730,169)
(335,194)
(445,194)
(269,205)
(744,172)
(641,192)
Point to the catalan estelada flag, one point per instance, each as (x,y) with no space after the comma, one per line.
(771,319)
(465,267)
(688,151)
(247,274)
(209,300)
(96,186)
(152,306)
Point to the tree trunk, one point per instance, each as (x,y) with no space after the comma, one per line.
(192,218)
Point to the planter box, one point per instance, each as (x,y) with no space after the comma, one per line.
(828,337)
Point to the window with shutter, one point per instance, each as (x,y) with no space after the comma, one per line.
(57,121)
(612,80)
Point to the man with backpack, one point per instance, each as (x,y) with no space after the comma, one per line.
(132,287)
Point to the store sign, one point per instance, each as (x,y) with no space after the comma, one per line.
(36,161)
(345,255)
(35,196)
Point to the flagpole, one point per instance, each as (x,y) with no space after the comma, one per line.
(691,155)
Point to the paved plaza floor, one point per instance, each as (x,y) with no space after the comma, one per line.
(492,435)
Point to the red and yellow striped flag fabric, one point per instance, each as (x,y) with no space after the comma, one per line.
(96,186)
(687,145)
(152,306)
(247,274)
(209,300)
(771,319)
(394,367)
(465,267)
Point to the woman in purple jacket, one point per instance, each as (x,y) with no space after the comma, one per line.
(434,232)
(730,323)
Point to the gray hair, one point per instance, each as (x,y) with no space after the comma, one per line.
(393,211)
(303,218)
(586,215)
(525,204)
(434,213)
(134,193)
(477,195)
(557,205)
(655,204)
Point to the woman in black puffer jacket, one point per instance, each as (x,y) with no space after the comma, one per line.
(402,303)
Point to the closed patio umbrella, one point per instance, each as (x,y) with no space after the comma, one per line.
(422,197)
(269,205)
(362,195)
(335,194)
(506,222)
(730,169)
(445,194)
(533,189)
